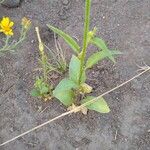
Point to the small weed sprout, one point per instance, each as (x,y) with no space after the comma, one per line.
(70,89)
(41,87)
(61,60)
(6,27)
(57,57)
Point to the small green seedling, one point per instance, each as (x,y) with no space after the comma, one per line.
(73,90)
(6,27)
(41,87)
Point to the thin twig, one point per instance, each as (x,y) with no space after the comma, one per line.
(75,109)
(116,134)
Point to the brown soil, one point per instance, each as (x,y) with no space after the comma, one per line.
(125,25)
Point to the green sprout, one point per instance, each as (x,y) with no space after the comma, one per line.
(41,86)
(41,89)
(57,57)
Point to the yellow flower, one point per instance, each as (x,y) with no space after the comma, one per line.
(26,22)
(6,26)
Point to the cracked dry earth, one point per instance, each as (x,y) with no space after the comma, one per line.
(125,25)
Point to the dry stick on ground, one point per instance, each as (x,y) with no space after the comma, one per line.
(77,108)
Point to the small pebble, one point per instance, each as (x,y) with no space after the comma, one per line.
(62,14)
(65,2)
(32,41)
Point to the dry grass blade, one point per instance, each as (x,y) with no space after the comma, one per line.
(76,108)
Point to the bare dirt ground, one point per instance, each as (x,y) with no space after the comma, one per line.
(125,25)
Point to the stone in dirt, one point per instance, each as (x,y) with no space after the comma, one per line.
(11,3)
(65,2)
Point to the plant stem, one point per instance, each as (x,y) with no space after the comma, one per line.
(5,47)
(21,38)
(43,56)
(6,42)
(85,37)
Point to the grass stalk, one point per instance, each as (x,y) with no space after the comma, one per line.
(85,36)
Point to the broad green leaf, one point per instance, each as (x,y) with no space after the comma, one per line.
(35,93)
(64,91)
(74,69)
(100,105)
(67,97)
(66,84)
(69,40)
(94,58)
(100,43)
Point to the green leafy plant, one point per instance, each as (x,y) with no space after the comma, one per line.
(11,44)
(70,89)
(41,87)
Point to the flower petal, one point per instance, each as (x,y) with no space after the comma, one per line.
(5,21)
(11,24)
(5,26)
(10,32)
